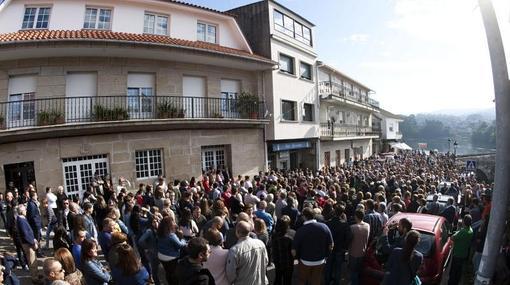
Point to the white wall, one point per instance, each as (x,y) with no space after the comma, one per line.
(288,87)
(388,134)
(128,16)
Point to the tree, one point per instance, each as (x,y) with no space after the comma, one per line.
(409,127)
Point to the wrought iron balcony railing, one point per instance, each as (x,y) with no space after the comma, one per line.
(337,89)
(345,130)
(69,110)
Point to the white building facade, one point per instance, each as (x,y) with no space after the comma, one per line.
(346,113)
(277,32)
(391,137)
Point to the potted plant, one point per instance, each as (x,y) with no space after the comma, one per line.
(181,113)
(43,118)
(120,114)
(2,122)
(247,105)
(57,117)
(217,115)
(166,110)
(99,113)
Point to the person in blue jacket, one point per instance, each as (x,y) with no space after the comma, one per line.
(93,271)
(169,248)
(28,241)
(148,242)
(129,270)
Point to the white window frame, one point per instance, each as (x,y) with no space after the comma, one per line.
(74,179)
(206,35)
(22,104)
(36,19)
(96,19)
(155,27)
(213,156)
(140,102)
(152,167)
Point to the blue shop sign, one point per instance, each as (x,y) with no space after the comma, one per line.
(291,145)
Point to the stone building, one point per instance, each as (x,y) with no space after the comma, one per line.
(132,88)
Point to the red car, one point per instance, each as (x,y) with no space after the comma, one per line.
(435,245)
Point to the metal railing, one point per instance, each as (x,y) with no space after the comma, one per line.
(337,89)
(373,102)
(69,110)
(345,130)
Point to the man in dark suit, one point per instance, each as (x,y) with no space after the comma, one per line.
(449,212)
(34,216)
(28,241)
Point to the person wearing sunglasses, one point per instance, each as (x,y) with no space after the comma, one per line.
(53,270)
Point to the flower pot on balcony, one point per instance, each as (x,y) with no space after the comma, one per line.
(217,116)
(166,110)
(60,120)
(164,115)
(43,118)
(246,103)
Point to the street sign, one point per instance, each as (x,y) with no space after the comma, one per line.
(471,165)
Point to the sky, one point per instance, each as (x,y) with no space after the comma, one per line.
(418,56)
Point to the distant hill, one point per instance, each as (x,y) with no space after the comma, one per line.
(477,128)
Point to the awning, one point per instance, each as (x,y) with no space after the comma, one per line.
(400,145)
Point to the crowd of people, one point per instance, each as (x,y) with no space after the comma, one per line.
(221,229)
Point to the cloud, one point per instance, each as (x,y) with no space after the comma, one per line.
(357,38)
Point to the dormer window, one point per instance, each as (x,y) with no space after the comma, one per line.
(36,18)
(98,18)
(292,28)
(207,33)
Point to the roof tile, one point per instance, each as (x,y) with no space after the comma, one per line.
(58,35)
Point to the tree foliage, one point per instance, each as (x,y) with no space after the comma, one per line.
(430,129)
(484,135)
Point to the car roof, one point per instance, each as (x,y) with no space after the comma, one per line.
(421,222)
(441,198)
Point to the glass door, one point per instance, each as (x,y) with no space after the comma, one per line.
(140,103)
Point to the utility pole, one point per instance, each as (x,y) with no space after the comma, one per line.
(502,179)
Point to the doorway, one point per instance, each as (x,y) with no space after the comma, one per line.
(21,174)
(294,160)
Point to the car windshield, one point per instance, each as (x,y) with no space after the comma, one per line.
(426,244)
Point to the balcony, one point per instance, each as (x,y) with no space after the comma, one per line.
(346,131)
(338,91)
(124,113)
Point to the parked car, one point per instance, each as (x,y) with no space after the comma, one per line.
(442,199)
(435,245)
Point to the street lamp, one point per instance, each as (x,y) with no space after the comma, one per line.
(455,144)
(449,145)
